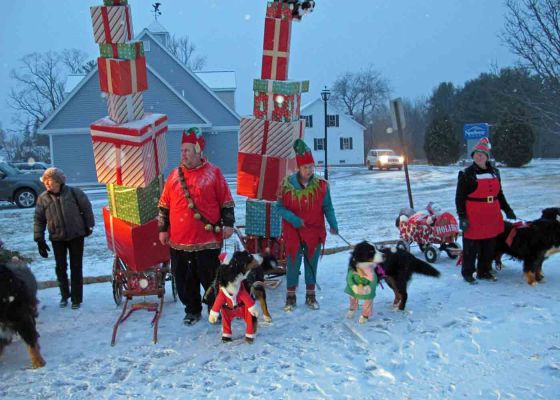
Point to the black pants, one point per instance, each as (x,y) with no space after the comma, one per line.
(192,269)
(76,249)
(483,250)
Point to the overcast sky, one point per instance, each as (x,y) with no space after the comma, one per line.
(414,44)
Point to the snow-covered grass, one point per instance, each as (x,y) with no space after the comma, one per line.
(496,340)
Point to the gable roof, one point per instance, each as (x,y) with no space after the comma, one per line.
(332,106)
(209,102)
(203,95)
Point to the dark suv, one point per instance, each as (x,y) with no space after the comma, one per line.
(19,188)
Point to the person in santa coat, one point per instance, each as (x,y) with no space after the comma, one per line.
(479,200)
(304,200)
(196,213)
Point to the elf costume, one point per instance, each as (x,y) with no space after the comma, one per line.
(303,208)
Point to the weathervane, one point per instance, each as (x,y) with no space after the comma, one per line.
(156,10)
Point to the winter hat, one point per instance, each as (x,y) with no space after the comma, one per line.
(303,153)
(483,146)
(54,173)
(195,137)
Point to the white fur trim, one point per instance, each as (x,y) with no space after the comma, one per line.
(393,249)
(253,310)
(251,335)
(226,334)
(485,176)
(403,218)
(213,316)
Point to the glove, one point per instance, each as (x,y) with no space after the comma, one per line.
(510,214)
(464,224)
(89,231)
(43,248)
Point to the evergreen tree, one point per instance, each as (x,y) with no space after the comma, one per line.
(512,143)
(441,144)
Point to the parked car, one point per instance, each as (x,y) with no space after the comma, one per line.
(383,158)
(18,187)
(36,166)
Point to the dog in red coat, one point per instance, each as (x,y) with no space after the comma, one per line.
(233,300)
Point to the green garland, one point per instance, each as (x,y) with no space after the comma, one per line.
(309,191)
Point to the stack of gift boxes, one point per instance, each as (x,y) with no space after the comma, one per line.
(266,154)
(128,145)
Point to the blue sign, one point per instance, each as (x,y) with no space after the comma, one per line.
(475,131)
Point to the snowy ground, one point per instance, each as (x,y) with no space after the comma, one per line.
(495,340)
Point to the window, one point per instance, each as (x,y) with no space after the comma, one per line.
(146,45)
(332,120)
(308,120)
(319,144)
(346,143)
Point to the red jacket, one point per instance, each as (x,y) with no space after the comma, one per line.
(210,193)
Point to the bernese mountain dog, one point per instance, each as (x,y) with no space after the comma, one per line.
(398,267)
(530,242)
(18,310)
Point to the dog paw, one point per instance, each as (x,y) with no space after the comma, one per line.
(363,319)
(267,319)
(350,314)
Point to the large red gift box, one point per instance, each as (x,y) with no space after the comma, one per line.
(259,176)
(272,138)
(131,154)
(276,48)
(277,107)
(137,245)
(111,24)
(122,77)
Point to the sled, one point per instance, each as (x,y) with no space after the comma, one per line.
(128,283)
(432,230)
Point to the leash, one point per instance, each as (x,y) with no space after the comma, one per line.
(345,241)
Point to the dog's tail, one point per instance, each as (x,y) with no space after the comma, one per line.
(422,267)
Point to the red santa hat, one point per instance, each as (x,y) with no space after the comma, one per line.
(303,153)
(483,146)
(194,136)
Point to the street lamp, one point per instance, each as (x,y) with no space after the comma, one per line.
(325,94)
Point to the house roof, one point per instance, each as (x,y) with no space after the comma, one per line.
(218,80)
(331,106)
(203,90)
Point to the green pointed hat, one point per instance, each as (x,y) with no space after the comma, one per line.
(303,153)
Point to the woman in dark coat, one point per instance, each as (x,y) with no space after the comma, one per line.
(479,200)
(66,212)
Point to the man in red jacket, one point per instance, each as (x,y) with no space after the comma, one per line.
(196,212)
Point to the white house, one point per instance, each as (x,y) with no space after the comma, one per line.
(345,136)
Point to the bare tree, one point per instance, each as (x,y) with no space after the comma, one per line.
(361,93)
(39,87)
(183,48)
(75,60)
(532,31)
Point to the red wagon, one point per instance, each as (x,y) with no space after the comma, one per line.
(429,228)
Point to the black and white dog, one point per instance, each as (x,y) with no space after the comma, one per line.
(18,310)
(530,243)
(398,266)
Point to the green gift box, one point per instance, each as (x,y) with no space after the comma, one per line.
(115,2)
(124,51)
(135,205)
(280,87)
